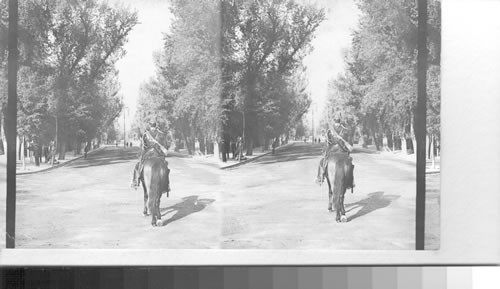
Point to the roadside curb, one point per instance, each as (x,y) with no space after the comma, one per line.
(253,159)
(427,171)
(58,165)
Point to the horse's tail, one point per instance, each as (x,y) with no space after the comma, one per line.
(340,172)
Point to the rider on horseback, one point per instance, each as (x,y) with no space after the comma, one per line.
(150,141)
(334,143)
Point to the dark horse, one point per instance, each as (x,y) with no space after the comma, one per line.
(155,181)
(340,176)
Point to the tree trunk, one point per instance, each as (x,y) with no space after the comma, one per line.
(62,149)
(410,148)
(2,149)
(397,143)
(188,146)
(420,123)
(202,146)
(431,151)
(375,140)
(192,142)
(23,156)
(435,146)
(216,149)
(364,139)
(390,142)
(20,147)
(428,147)
(177,145)
(266,144)
(222,148)
(78,149)
(250,146)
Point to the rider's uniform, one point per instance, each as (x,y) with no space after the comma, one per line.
(149,142)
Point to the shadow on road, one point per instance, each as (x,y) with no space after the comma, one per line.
(106,157)
(293,153)
(374,202)
(188,206)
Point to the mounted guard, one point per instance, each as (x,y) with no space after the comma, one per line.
(334,143)
(150,143)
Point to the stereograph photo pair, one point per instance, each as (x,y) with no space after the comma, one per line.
(294,132)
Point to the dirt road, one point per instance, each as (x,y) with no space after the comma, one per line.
(270,203)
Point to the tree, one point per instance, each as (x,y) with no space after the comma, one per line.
(377,91)
(68,81)
(274,37)
(229,68)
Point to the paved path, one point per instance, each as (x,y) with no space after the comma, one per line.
(270,203)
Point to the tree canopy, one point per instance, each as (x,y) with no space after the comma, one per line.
(232,68)
(377,91)
(67,79)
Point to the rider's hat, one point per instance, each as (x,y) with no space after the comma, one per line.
(152,124)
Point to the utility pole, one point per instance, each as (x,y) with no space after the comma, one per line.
(313,122)
(124,128)
(11,122)
(420,125)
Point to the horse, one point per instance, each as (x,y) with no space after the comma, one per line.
(155,181)
(339,176)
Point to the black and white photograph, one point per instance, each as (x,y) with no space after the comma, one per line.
(220,124)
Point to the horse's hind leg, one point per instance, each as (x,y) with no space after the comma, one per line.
(337,199)
(152,208)
(338,209)
(168,182)
(158,223)
(330,196)
(343,218)
(145,211)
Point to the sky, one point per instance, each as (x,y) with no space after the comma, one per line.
(324,63)
(137,66)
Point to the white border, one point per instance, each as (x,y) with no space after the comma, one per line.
(470,203)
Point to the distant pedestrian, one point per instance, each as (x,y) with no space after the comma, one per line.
(275,145)
(227,146)
(233,148)
(52,152)
(35,148)
(88,145)
(46,153)
(239,148)
(223,149)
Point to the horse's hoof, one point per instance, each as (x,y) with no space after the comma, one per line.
(159,223)
(145,214)
(343,219)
